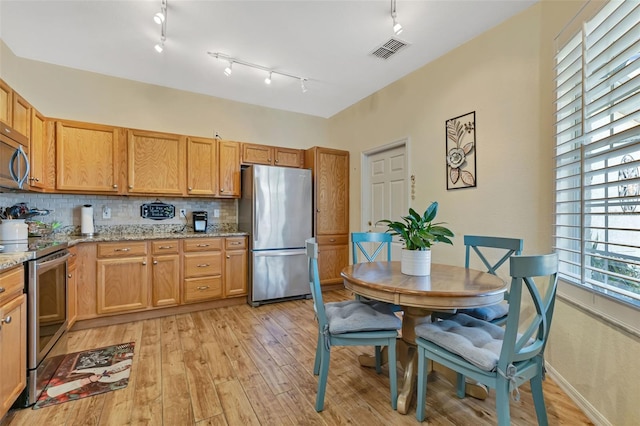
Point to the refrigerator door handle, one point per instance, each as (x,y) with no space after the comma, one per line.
(296,252)
(253,213)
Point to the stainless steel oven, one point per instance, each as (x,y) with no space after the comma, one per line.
(47,322)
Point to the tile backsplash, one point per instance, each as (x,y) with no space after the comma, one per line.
(65,208)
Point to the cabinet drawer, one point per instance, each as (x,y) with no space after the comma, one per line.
(122,249)
(201,265)
(332,239)
(235,243)
(201,289)
(202,244)
(164,247)
(11,284)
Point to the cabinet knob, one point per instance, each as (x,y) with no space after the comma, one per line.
(144,263)
(318,210)
(202,287)
(221,189)
(70,276)
(6,320)
(228,257)
(130,186)
(155,262)
(190,189)
(115,186)
(34,179)
(277,161)
(2,290)
(269,160)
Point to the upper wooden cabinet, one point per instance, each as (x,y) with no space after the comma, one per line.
(331,189)
(15,111)
(87,157)
(202,166)
(156,163)
(271,155)
(229,169)
(42,153)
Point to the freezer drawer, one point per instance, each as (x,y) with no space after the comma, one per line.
(279,274)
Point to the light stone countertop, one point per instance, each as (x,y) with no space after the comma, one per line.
(8,260)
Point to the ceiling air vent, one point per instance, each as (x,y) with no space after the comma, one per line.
(389,48)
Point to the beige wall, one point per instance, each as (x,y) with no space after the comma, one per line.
(84,96)
(506,77)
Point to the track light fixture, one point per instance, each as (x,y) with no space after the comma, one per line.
(267,80)
(229,69)
(397,28)
(160,18)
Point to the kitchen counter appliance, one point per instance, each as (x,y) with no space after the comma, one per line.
(14,161)
(47,323)
(200,221)
(275,209)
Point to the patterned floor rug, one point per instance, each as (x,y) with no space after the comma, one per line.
(88,373)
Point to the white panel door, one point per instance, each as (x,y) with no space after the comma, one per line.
(385,191)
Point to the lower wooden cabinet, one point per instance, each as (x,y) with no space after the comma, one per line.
(122,277)
(72,287)
(333,256)
(13,337)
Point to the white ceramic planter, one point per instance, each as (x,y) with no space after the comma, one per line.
(416,262)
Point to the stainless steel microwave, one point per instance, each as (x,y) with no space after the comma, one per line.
(14,159)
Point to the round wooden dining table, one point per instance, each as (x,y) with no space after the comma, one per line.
(447,289)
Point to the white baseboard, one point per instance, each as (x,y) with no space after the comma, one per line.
(588,409)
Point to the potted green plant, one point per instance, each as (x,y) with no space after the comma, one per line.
(419,233)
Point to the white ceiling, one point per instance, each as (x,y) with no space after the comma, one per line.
(327,42)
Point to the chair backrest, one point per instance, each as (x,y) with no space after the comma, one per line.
(481,245)
(358,238)
(527,273)
(314,282)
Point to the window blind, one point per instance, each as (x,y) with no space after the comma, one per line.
(597,206)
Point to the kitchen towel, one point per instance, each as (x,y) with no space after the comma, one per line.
(86,220)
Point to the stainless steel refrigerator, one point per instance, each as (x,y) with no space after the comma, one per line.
(275,209)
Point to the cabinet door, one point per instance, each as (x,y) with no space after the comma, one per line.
(202,166)
(165,280)
(235,276)
(257,154)
(331,261)
(6,102)
(87,157)
(21,115)
(41,153)
(332,191)
(122,284)
(229,169)
(288,157)
(157,163)
(13,351)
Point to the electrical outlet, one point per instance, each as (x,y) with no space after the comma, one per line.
(106,212)
(216,212)
(183,213)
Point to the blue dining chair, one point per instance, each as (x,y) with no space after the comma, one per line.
(485,247)
(498,357)
(359,242)
(349,323)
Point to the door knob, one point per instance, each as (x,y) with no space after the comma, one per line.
(6,320)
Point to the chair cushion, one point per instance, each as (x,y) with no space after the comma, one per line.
(353,315)
(479,342)
(488,313)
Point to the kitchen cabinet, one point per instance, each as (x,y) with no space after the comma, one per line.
(165,273)
(88,157)
(156,163)
(42,153)
(235,267)
(21,115)
(122,277)
(271,155)
(202,166)
(229,169)
(202,269)
(330,171)
(72,287)
(13,337)
(6,103)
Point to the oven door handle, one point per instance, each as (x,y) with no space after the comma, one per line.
(48,264)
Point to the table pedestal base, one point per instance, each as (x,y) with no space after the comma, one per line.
(407,356)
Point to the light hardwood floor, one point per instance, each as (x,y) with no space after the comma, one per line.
(253,366)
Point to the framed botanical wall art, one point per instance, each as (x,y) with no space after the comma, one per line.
(461,151)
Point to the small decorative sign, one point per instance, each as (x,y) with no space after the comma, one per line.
(461,153)
(157,211)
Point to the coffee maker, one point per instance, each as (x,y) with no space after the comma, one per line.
(200,221)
